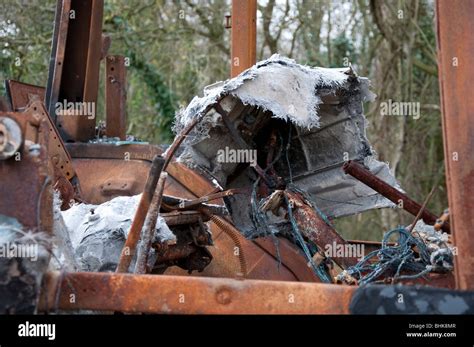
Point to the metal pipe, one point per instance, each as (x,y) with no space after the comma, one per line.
(128,250)
(368,178)
(150,226)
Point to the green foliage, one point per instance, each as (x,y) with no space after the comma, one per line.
(163,99)
(343,51)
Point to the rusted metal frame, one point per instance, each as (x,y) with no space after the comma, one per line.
(22,94)
(116,96)
(150,226)
(112,151)
(357,171)
(243,35)
(26,178)
(130,245)
(91,83)
(26,194)
(64,173)
(456,75)
(80,74)
(317,230)
(190,295)
(61,24)
(433,279)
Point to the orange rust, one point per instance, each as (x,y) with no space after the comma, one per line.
(191,295)
(455,51)
(244,35)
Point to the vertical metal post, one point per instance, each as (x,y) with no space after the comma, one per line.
(61,24)
(244,35)
(455,26)
(116,96)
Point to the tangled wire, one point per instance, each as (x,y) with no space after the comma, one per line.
(409,254)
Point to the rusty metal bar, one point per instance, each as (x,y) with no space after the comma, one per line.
(456,75)
(165,253)
(190,295)
(116,96)
(181,217)
(244,35)
(318,231)
(365,176)
(61,25)
(150,226)
(128,250)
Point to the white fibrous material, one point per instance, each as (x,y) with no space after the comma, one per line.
(98,232)
(277,84)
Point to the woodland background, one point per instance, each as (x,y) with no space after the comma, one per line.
(177,47)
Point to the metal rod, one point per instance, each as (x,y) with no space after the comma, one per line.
(128,250)
(368,178)
(319,231)
(150,226)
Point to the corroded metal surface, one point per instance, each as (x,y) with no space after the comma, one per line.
(74,77)
(107,170)
(318,230)
(116,96)
(26,213)
(139,219)
(456,75)
(22,94)
(244,35)
(191,295)
(25,177)
(234,255)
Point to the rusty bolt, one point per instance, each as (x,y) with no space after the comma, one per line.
(224,296)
